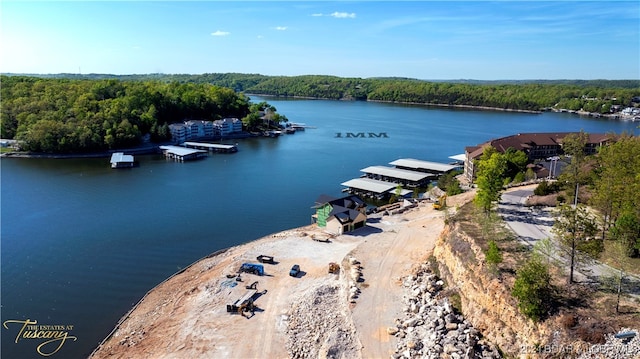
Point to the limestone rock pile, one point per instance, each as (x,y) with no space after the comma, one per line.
(430,328)
(318,325)
(355,276)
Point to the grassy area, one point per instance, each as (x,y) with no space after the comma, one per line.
(7,149)
(610,256)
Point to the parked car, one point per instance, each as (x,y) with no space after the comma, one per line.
(294,270)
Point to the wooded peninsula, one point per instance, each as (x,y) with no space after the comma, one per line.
(69,113)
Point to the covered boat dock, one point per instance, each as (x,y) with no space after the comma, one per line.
(373,188)
(398,176)
(212,147)
(434,168)
(181,153)
(120,160)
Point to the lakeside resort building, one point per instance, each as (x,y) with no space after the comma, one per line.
(536,145)
(340,215)
(197,129)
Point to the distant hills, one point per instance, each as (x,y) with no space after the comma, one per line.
(209,77)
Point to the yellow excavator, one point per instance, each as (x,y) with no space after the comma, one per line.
(441,202)
(334,268)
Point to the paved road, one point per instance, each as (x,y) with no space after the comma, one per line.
(533,224)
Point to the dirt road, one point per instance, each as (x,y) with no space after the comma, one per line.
(387,258)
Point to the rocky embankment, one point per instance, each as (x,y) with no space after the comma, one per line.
(430,328)
(485,301)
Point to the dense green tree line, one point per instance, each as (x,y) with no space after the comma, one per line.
(71,116)
(589,95)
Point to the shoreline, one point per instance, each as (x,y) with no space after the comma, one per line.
(128,314)
(198,294)
(443,105)
(141,150)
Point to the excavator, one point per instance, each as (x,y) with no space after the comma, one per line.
(334,268)
(441,202)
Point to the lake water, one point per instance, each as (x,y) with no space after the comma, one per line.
(82,243)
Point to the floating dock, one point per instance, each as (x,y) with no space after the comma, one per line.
(211,147)
(120,160)
(182,153)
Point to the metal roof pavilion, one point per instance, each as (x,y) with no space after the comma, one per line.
(180,151)
(370,185)
(209,145)
(119,157)
(419,164)
(396,173)
(461,157)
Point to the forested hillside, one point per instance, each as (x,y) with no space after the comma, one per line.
(83,113)
(72,116)
(533,95)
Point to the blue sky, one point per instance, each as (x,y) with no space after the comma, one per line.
(418,39)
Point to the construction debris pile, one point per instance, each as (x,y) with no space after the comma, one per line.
(319,324)
(354,279)
(430,328)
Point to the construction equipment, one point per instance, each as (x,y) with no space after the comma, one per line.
(441,202)
(334,268)
(244,304)
(265,259)
(257,269)
(295,270)
(253,285)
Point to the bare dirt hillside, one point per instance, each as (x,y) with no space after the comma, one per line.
(316,314)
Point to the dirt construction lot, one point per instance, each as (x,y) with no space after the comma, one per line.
(316,314)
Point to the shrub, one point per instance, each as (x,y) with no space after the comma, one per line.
(493,254)
(542,189)
(592,332)
(533,290)
(519,177)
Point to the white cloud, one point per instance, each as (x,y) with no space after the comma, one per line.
(343,15)
(317,15)
(220,33)
(281,28)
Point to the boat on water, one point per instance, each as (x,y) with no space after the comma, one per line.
(272,133)
(297,126)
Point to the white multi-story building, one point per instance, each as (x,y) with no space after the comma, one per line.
(190,130)
(228,126)
(178,132)
(195,129)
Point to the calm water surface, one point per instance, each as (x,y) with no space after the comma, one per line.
(81,243)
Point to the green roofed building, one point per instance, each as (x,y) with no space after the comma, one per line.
(340,215)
